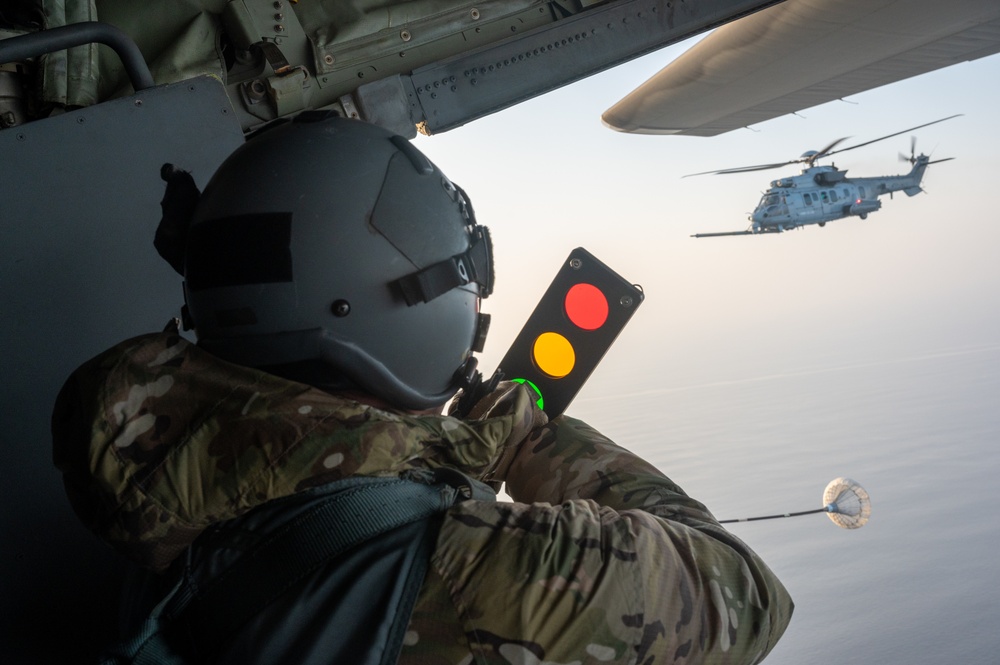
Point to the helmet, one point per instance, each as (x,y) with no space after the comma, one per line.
(333,252)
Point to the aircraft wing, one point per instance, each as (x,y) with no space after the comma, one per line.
(802,53)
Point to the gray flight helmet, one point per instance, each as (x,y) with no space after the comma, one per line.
(331,251)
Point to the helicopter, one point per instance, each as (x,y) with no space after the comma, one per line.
(824,193)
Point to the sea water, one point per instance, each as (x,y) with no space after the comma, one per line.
(921,433)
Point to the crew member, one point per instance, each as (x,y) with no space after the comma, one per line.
(333,276)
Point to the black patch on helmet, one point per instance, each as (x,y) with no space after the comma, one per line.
(245,249)
(239,316)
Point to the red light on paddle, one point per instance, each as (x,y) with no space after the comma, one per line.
(586,306)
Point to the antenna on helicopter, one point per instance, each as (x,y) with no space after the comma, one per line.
(845,502)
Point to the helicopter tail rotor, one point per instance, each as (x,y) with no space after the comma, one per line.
(912,159)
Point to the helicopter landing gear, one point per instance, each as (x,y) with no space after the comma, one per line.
(822,224)
(863,215)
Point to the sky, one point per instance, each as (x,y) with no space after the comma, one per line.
(916,277)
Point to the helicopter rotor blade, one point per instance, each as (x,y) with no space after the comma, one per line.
(938,161)
(745,169)
(889,136)
(764,167)
(824,152)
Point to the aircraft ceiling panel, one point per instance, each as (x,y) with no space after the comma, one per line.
(802,53)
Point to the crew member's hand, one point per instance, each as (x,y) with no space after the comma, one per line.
(509,399)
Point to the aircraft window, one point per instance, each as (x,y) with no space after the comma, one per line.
(861,192)
(847,194)
(833,195)
(823,196)
(808,198)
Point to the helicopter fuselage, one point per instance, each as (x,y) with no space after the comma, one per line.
(821,194)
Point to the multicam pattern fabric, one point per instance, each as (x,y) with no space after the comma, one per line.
(157,440)
(599,559)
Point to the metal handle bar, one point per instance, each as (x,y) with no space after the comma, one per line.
(67,36)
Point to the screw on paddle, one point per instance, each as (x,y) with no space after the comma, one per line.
(844,501)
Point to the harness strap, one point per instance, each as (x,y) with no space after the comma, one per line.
(345,515)
(290,553)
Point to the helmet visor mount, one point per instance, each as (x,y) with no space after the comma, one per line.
(473,265)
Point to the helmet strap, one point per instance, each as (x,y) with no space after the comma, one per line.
(473,265)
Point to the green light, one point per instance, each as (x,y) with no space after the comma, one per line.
(540,402)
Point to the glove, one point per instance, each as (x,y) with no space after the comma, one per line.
(512,401)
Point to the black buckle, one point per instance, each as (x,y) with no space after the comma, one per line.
(473,265)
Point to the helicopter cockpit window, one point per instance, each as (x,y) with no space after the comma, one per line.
(808,199)
(773,204)
(861,192)
(824,197)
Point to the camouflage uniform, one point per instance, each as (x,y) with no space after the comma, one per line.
(600,559)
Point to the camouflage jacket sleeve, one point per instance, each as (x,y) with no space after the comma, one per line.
(601,559)
(157,440)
